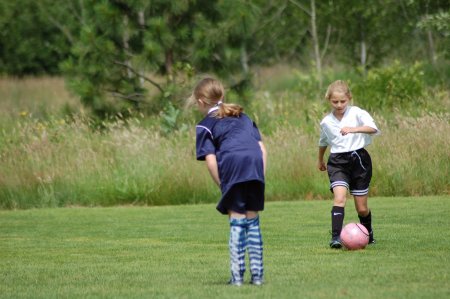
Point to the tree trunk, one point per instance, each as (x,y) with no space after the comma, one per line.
(363,50)
(430,39)
(169,64)
(141,22)
(126,45)
(363,59)
(431,47)
(244,59)
(316,43)
(82,12)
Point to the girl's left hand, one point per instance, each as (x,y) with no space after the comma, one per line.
(346,130)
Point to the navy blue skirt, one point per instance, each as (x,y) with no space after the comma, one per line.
(243,197)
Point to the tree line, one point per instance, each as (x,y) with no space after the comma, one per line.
(116,53)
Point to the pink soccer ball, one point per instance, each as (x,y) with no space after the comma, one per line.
(354,236)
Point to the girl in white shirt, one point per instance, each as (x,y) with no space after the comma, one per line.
(346,130)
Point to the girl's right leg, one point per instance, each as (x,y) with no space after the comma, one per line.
(237,245)
(255,248)
(337,215)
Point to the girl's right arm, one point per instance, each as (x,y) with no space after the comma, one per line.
(362,129)
(211,163)
(321,164)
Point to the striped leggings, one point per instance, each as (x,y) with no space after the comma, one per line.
(245,234)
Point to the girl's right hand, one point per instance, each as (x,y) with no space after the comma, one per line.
(321,165)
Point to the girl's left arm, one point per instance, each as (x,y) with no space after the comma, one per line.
(211,163)
(363,129)
(264,155)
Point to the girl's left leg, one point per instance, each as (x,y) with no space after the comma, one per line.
(255,248)
(364,214)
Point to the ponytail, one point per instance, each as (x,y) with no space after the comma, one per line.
(226,110)
(212,92)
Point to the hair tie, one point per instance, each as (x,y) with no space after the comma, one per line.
(219,103)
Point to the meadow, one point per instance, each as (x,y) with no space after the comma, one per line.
(120,208)
(53,154)
(181,252)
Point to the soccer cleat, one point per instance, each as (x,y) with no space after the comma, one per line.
(235,282)
(335,242)
(371,239)
(256,281)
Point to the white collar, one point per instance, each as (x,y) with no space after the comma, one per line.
(216,107)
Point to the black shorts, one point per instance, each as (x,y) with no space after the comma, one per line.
(352,170)
(243,197)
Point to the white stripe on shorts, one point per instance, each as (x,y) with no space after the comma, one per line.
(339,183)
(359,192)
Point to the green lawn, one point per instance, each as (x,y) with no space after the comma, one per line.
(181,252)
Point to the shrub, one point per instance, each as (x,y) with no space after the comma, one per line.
(395,86)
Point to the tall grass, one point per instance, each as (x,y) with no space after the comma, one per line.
(41,97)
(50,159)
(61,163)
(412,156)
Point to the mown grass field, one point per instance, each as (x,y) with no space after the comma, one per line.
(181,252)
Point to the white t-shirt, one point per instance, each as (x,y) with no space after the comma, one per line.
(330,128)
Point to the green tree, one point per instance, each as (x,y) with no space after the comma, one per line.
(365,30)
(435,24)
(122,54)
(29,42)
(242,34)
(369,32)
(124,44)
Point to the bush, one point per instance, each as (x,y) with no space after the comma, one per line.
(395,86)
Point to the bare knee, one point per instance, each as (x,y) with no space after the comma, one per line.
(361,205)
(236,215)
(362,211)
(340,196)
(251,214)
(339,201)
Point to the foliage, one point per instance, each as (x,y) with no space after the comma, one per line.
(170,120)
(98,67)
(395,86)
(138,55)
(29,43)
(65,162)
(49,158)
(123,43)
(438,22)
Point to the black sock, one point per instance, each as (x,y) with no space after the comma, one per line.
(337,219)
(366,221)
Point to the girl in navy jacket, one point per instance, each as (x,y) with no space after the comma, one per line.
(230,143)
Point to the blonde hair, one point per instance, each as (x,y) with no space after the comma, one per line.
(212,92)
(338,86)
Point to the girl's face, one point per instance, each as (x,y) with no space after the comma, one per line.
(339,102)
